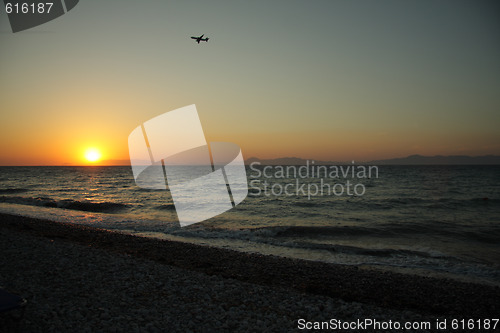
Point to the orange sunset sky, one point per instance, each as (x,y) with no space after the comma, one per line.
(323,80)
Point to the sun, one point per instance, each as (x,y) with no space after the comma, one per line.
(93,155)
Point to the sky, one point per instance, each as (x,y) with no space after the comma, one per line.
(323,80)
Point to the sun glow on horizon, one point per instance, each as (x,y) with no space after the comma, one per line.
(92,155)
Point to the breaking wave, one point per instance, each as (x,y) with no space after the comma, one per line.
(87,206)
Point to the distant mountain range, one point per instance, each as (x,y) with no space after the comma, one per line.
(410,160)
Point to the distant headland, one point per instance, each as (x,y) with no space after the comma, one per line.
(409,160)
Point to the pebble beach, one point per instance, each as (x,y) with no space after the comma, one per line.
(82,279)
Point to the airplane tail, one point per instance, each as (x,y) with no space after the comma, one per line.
(207,39)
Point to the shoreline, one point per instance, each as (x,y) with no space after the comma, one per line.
(425,295)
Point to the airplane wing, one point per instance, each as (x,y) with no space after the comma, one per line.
(198,39)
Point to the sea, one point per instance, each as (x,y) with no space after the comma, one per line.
(441,221)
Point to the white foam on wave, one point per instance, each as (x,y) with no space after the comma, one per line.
(98,220)
(263,241)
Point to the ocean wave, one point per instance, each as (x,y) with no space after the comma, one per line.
(302,234)
(87,206)
(101,207)
(425,203)
(308,204)
(165,207)
(372,252)
(310,231)
(13,190)
(485,200)
(484,234)
(301,238)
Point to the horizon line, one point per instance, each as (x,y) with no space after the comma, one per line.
(246,161)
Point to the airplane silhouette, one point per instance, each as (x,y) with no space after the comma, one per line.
(200,39)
